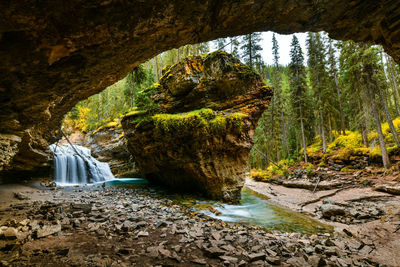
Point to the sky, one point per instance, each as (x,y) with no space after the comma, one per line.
(284,47)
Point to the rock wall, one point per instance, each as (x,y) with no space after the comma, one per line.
(109,145)
(55,53)
(206,111)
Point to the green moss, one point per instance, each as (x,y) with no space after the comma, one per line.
(347,169)
(115,124)
(203,121)
(134,112)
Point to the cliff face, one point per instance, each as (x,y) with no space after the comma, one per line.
(108,145)
(206,111)
(56,53)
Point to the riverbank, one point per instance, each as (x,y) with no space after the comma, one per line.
(137,227)
(370,215)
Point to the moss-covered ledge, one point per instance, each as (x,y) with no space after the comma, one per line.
(193,129)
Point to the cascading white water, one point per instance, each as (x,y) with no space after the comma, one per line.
(71,168)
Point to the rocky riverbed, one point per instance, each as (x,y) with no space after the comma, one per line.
(111,226)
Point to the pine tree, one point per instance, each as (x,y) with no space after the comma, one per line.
(234,47)
(316,66)
(220,43)
(251,49)
(278,93)
(334,77)
(298,87)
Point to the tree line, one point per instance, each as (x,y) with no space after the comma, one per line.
(343,86)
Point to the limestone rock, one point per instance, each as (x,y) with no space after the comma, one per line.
(109,145)
(208,108)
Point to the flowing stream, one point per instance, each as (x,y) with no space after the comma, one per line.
(75,165)
(257,210)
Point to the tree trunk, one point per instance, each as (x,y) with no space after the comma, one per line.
(394,85)
(156,63)
(342,126)
(284,132)
(250,51)
(388,116)
(322,125)
(303,138)
(330,129)
(375,112)
(364,128)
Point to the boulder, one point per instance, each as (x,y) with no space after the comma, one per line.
(329,210)
(197,131)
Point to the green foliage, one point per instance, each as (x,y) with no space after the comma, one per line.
(202,121)
(144,101)
(350,146)
(101,110)
(251,48)
(273,171)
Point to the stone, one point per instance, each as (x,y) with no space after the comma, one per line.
(256,256)
(142,234)
(329,210)
(20,196)
(199,261)
(10,233)
(229,259)
(394,190)
(47,230)
(316,261)
(206,110)
(273,260)
(297,262)
(213,252)
(79,48)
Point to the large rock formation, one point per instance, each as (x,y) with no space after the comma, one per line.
(109,145)
(56,53)
(207,110)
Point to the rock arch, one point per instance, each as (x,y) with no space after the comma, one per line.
(55,53)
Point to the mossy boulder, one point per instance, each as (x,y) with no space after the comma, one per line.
(198,132)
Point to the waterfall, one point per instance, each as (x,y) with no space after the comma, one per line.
(72,168)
